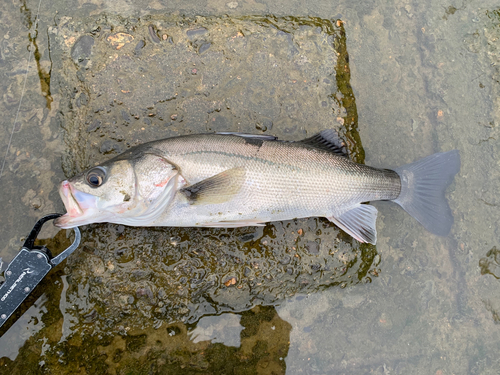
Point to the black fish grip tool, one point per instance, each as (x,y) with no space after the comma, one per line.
(28,268)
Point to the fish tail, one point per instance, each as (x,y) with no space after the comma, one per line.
(423,184)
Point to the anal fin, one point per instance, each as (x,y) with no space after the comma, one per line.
(359,222)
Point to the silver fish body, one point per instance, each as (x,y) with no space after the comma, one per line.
(233,180)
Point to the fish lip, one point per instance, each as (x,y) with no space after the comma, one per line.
(63,222)
(72,202)
(73,209)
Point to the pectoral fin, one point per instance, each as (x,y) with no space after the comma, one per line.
(359,222)
(216,189)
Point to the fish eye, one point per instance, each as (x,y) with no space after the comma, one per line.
(95,177)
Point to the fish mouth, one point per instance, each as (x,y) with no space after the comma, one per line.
(76,213)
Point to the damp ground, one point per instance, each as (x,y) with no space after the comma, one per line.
(399,81)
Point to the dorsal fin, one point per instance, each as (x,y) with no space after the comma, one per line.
(263,137)
(328,140)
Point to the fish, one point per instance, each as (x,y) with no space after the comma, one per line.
(229,180)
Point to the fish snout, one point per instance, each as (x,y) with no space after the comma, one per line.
(66,192)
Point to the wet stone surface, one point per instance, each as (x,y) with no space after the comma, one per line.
(144,276)
(147,79)
(128,81)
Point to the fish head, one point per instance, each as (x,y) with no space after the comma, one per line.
(130,191)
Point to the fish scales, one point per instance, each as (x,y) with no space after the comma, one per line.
(283,179)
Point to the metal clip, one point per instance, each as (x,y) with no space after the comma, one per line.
(28,268)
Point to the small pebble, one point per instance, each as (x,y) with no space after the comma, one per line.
(196,32)
(204,47)
(152,34)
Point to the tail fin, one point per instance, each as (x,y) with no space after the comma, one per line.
(423,184)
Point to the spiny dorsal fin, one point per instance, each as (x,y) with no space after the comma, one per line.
(216,189)
(328,140)
(263,137)
(359,222)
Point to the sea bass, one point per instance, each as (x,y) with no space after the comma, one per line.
(234,180)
